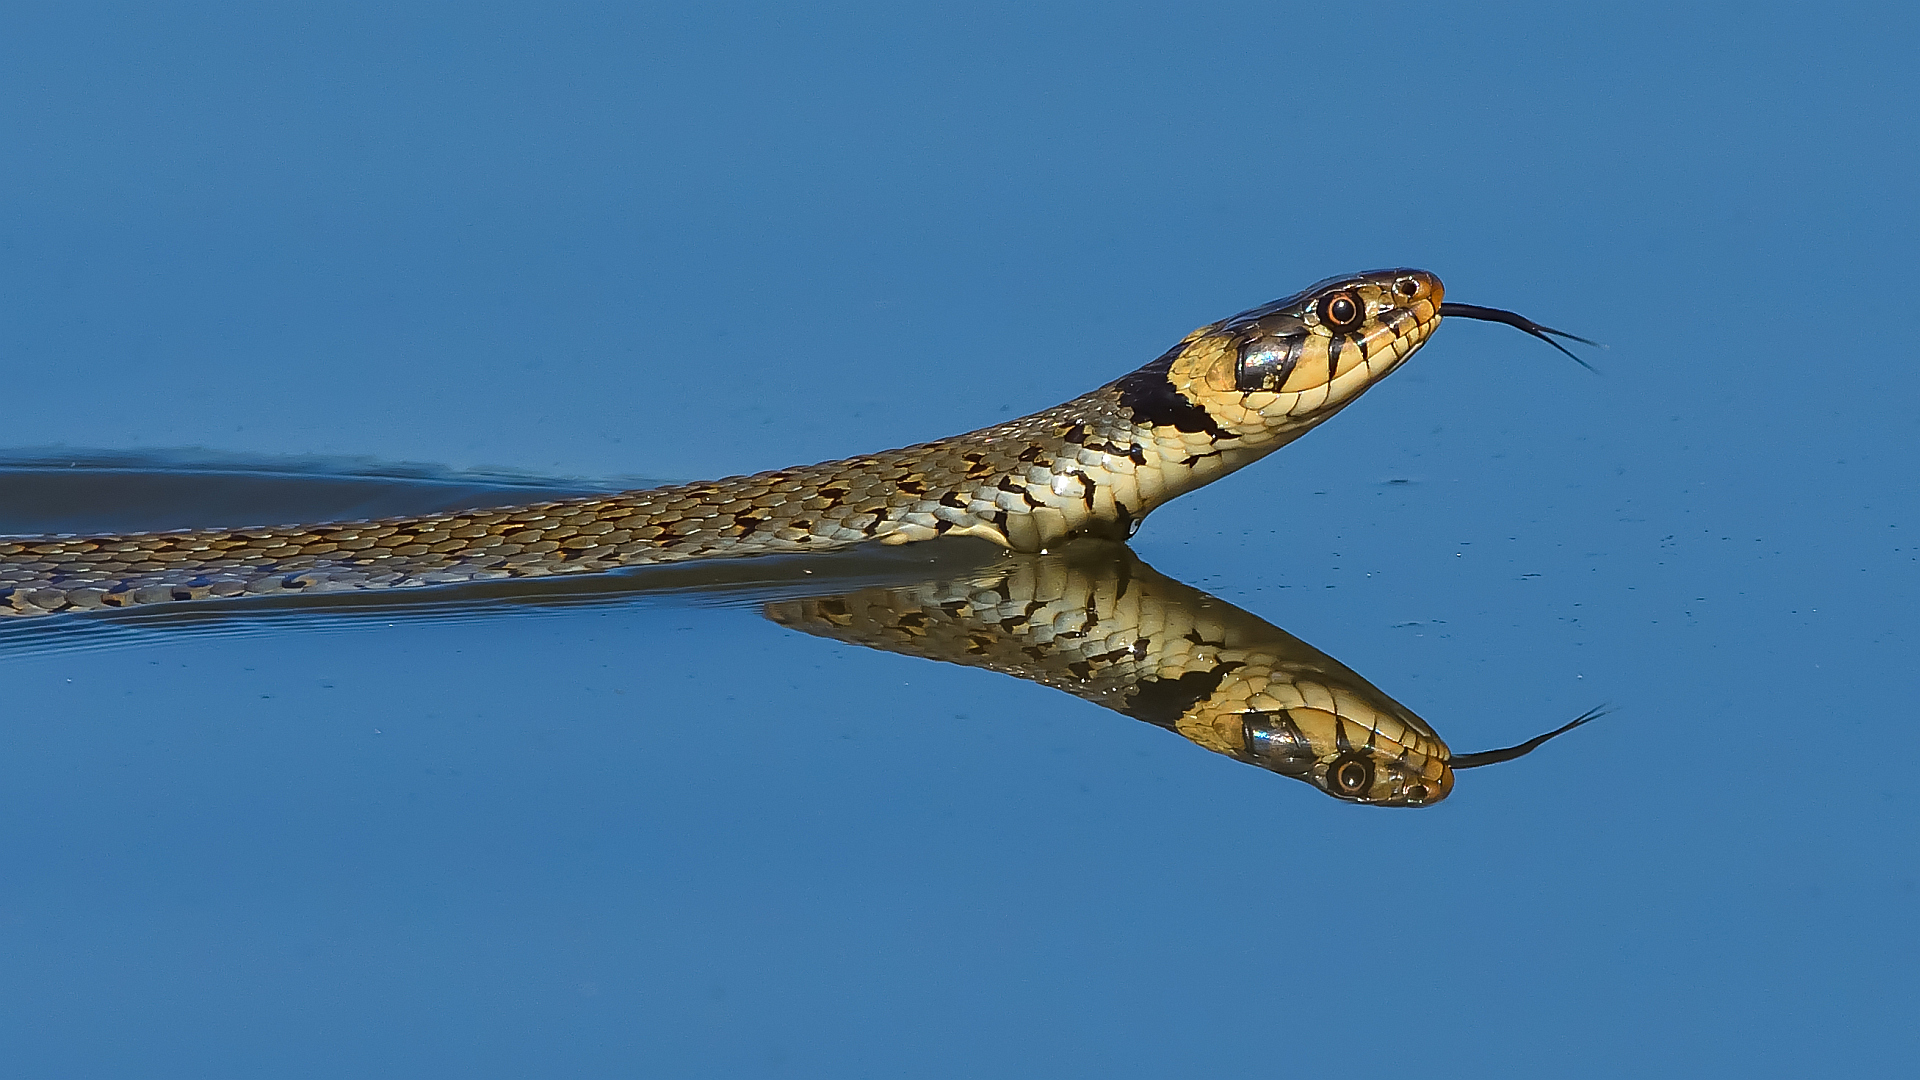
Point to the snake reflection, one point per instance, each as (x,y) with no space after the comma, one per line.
(1100,624)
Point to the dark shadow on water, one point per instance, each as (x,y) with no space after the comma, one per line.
(1093,620)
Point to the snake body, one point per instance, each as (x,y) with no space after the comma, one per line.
(1226,395)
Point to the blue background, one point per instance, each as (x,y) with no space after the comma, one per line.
(671,838)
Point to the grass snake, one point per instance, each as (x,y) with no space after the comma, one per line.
(1228,394)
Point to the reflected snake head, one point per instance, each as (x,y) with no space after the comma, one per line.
(1283,367)
(1375,759)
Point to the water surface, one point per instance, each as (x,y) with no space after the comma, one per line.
(638,828)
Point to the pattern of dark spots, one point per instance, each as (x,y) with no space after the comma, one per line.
(1149,393)
(1011,486)
(954,499)
(1117,655)
(183,594)
(1081,670)
(1198,639)
(1076,434)
(1034,454)
(999,519)
(292,581)
(942,525)
(1138,453)
(912,487)
(912,620)
(1162,702)
(747,521)
(1334,348)
(977,465)
(1127,525)
(978,644)
(1191,458)
(833,494)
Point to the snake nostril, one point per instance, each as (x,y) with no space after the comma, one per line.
(1407,287)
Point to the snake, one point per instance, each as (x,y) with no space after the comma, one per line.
(1097,622)
(1226,395)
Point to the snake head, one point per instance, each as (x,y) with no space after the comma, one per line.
(1287,365)
(1374,760)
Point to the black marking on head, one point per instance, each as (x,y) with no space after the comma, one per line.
(1162,702)
(1334,349)
(1150,394)
(1271,740)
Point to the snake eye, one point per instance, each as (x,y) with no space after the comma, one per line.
(1341,312)
(1407,287)
(1351,776)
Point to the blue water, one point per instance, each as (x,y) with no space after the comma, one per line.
(649,832)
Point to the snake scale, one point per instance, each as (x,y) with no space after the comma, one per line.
(1226,395)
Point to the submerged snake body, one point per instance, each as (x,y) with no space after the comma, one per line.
(1229,393)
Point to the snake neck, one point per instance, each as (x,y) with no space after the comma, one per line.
(1095,466)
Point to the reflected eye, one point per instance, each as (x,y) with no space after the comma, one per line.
(1350,776)
(1416,794)
(1341,312)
